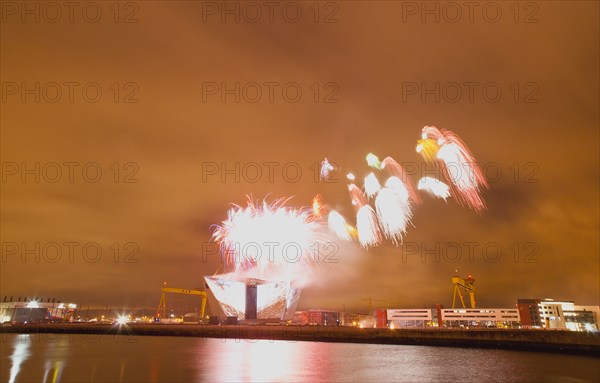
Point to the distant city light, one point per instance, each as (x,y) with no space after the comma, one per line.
(122,320)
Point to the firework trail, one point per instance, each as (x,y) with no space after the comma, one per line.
(400,187)
(373,161)
(393,209)
(366,220)
(265,237)
(256,239)
(357,196)
(337,224)
(459,166)
(366,225)
(372,185)
(428,148)
(433,133)
(435,187)
(396,170)
(317,206)
(326,169)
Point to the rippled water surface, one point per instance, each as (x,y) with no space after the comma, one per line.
(112,358)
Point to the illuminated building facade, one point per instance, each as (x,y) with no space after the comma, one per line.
(409,317)
(529,312)
(481,317)
(32,311)
(558,315)
(254,299)
(439,317)
(316,318)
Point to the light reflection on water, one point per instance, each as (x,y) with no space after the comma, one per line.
(17,357)
(111,358)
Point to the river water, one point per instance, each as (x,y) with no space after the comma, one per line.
(120,358)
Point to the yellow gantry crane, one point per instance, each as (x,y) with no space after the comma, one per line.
(162,306)
(467,285)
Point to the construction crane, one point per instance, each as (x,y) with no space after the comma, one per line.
(467,285)
(371,300)
(162,306)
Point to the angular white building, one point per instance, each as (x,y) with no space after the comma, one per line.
(254,299)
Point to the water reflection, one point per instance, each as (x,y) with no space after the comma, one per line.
(56,355)
(106,358)
(247,360)
(20,353)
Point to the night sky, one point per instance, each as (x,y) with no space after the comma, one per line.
(368,73)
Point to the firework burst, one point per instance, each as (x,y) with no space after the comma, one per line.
(366,221)
(265,237)
(367,227)
(337,224)
(317,206)
(428,149)
(326,169)
(435,187)
(393,209)
(357,196)
(459,166)
(372,185)
(396,170)
(373,161)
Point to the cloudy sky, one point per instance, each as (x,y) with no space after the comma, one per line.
(128,131)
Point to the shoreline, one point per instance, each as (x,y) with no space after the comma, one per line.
(582,343)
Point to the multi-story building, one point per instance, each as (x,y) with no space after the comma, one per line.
(507,317)
(439,317)
(552,313)
(582,319)
(529,312)
(558,315)
(409,317)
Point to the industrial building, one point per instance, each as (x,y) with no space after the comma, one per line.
(32,311)
(501,318)
(464,316)
(528,313)
(405,318)
(440,317)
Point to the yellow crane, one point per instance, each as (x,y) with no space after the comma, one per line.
(162,306)
(467,285)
